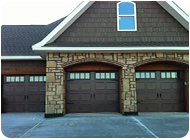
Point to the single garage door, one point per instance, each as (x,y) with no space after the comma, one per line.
(92,92)
(24,93)
(160,91)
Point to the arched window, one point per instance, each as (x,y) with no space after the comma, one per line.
(126,16)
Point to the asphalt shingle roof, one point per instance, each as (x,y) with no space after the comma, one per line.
(16,40)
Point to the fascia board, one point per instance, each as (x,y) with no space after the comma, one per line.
(43,50)
(56,32)
(176,12)
(4,58)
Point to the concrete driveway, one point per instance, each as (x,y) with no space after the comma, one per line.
(95,125)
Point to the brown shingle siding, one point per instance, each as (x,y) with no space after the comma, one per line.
(99,24)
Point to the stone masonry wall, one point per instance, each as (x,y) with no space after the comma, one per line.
(55,87)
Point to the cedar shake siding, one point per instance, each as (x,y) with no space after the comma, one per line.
(99,24)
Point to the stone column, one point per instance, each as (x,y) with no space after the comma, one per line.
(54,105)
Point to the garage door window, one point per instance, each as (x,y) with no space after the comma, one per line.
(37,78)
(105,75)
(167,75)
(145,75)
(15,79)
(79,76)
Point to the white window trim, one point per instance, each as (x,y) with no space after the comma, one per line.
(135,16)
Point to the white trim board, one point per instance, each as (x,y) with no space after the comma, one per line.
(43,50)
(176,12)
(3,58)
(72,17)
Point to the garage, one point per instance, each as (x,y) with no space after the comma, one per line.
(23,93)
(160,91)
(94,91)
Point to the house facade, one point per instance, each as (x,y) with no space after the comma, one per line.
(103,58)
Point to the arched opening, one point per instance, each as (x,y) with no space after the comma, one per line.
(92,87)
(162,86)
(93,66)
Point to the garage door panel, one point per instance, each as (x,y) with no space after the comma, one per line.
(32,107)
(8,99)
(152,96)
(73,108)
(141,95)
(166,95)
(42,98)
(153,107)
(42,88)
(19,88)
(112,97)
(86,96)
(140,85)
(111,86)
(141,107)
(85,86)
(166,86)
(19,107)
(100,107)
(12,99)
(33,98)
(178,96)
(151,86)
(178,107)
(9,107)
(35,107)
(73,97)
(113,107)
(33,88)
(177,86)
(100,85)
(99,96)
(8,88)
(73,86)
(167,107)
(19,98)
(86,107)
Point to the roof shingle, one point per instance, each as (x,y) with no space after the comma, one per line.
(16,40)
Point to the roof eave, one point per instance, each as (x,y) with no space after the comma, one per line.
(6,58)
(56,32)
(176,12)
(43,50)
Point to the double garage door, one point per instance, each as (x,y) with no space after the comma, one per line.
(160,91)
(24,93)
(92,92)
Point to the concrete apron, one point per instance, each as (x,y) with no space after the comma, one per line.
(96,125)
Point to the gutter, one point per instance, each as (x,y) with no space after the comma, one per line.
(4,58)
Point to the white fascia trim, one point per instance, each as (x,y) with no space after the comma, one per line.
(56,32)
(43,50)
(176,12)
(21,58)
